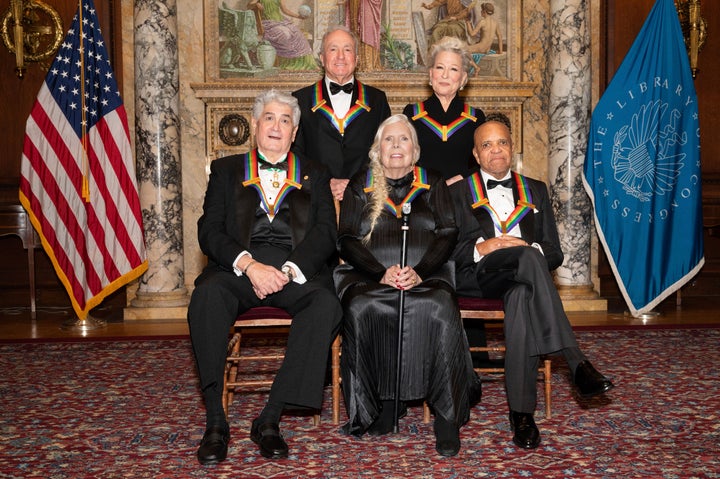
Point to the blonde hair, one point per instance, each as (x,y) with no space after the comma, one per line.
(453,45)
(380,185)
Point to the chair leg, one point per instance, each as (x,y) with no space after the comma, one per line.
(426,412)
(547,373)
(335,372)
(231,371)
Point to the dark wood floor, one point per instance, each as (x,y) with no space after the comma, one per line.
(58,323)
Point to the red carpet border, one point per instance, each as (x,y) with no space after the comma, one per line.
(131,409)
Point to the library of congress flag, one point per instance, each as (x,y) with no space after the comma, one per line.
(78,181)
(642,168)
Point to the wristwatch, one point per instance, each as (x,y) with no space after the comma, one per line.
(289,272)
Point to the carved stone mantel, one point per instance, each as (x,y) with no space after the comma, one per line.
(236,98)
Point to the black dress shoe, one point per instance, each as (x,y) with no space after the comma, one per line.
(447,438)
(214,445)
(525,432)
(267,437)
(589,382)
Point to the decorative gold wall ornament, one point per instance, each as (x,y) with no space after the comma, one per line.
(32,30)
(694,29)
(234,129)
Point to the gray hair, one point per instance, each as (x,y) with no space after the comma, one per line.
(380,192)
(341,28)
(274,95)
(450,44)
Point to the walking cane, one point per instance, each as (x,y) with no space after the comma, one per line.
(401,315)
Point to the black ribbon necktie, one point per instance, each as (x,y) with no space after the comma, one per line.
(266,165)
(335,88)
(507,183)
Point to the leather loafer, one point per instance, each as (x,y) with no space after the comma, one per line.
(214,445)
(267,437)
(525,432)
(589,381)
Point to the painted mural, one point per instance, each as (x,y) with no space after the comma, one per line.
(262,37)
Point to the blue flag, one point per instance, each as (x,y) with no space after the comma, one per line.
(642,168)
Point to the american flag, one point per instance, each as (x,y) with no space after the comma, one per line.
(78,181)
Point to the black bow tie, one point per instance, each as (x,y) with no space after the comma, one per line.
(335,88)
(507,183)
(266,165)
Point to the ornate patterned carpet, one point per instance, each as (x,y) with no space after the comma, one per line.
(131,409)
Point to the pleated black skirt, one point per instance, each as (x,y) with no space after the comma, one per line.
(436,364)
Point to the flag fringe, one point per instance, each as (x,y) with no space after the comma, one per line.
(626,296)
(107,290)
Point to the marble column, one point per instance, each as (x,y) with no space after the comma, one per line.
(161,292)
(570,103)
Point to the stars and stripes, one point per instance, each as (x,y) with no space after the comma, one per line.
(78,180)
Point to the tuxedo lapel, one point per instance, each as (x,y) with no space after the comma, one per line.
(527,223)
(246,201)
(481,215)
(299,204)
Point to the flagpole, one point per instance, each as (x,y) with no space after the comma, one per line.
(83,325)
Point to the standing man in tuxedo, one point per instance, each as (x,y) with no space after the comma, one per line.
(340,115)
(507,246)
(268,228)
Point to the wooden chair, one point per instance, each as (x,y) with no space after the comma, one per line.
(235,379)
(491,310)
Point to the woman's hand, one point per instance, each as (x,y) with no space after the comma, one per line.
(401,278)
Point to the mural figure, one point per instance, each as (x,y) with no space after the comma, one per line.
(486,30)
(238,30)
(452,15)
(292,47)
(364,18)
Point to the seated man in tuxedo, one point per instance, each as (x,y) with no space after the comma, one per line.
(507,246)
(340,115)
(268,229)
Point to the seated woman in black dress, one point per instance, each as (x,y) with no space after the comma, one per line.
(436,364)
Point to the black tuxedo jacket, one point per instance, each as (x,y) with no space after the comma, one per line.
(536,227)
(228,217)
(319,139)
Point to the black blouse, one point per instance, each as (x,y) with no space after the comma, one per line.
(451,157)
(431,236)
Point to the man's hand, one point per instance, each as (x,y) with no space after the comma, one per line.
(337,187)
(453,179)
(499,242)
(266,279)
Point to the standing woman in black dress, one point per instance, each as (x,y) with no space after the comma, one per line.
(436,364)
(444,122)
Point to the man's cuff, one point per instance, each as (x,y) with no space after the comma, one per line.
(299,276)
(477,256)
(237,270)
(538,247)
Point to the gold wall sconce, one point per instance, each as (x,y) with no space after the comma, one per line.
(694,29)
(32,30)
